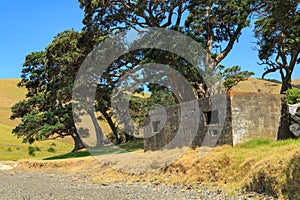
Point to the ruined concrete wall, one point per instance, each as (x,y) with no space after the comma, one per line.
(169,127)
(240,117)
(187,126)
(211,134)
(255,115)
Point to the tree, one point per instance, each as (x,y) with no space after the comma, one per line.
(106,85)
(49,77)
(217,25)
(233,75)
(277,30)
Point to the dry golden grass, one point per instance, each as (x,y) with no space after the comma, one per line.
(10,93)
(258,85)
(12,148)
(296,82)
(261,166)
(263,86)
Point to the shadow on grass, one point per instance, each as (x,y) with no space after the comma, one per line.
(104,150)
(70,155)
(134,145)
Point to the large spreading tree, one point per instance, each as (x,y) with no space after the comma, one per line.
(49,75)
(278,34)
(216,25)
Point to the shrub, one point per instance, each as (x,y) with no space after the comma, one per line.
(31,151)
(37,148)
(293,96)
(51,150)
(9,149)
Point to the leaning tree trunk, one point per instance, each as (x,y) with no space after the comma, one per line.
(99,133)
(286,83)
(128,137)
(110,123)
(78,144)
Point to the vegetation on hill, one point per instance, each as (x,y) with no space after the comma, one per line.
(11,147)
(232,76)
(258,85)
(49,75)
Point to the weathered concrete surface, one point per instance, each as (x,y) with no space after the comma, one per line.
(255,115)
(236,117)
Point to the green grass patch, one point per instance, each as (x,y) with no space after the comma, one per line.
(12,148)
(70,155)
(130,146)
(51,150)
(254,143)
(134,145)
(258,143)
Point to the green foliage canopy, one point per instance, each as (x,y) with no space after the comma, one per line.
(293,95)
(49,76)
(277,30)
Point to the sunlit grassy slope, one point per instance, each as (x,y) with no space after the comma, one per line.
(296,82)
(258,85)
(11,147)
(263,86)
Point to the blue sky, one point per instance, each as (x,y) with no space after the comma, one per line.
(30,25)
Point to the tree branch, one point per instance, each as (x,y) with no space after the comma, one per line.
(230,44)
(269,71)
(294,58)
(171,12)
(179,14)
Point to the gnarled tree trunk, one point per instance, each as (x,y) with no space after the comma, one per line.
(78,144)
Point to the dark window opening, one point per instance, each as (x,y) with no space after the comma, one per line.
(211,117)
(155,126)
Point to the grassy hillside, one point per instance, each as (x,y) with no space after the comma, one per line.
(261,85)
(12,148)
(296,82)
(258,85)
(9,95)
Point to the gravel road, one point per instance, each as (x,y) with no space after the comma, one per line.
(38,185)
